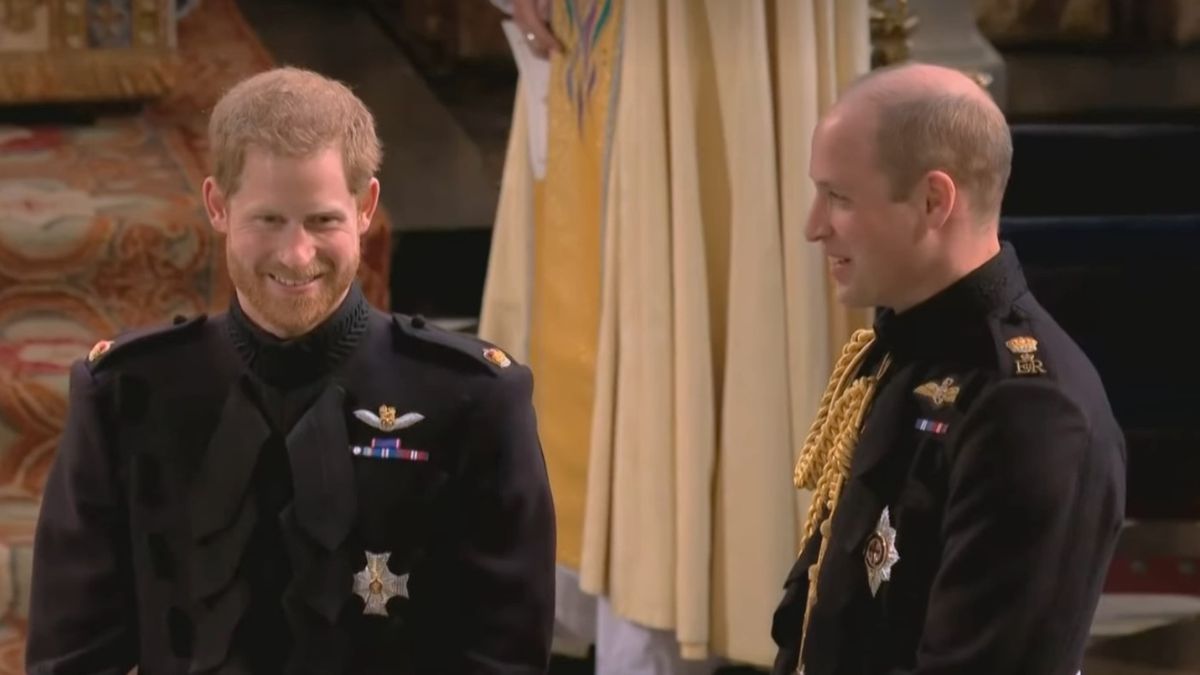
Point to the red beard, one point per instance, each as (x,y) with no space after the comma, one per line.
(293,316)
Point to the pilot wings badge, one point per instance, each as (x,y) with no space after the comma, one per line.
(386,420)
(939,393)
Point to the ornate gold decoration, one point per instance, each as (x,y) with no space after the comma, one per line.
(387,417)
(81,75)
(73,24)
(892,26)
(824,463)
(147,20)
(109,19)
(981,78)
(17,15)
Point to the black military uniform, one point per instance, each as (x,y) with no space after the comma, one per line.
(983,502)
(369,498)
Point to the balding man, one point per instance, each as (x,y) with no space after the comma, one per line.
(968,473)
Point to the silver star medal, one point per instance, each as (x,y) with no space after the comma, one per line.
(376,584)
(880,552)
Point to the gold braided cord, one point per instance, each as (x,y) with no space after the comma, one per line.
(824,462)
(813,467)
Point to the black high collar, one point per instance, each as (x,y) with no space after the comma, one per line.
(955,322)
(305,359)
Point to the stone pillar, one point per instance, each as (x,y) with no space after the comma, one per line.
(948,35)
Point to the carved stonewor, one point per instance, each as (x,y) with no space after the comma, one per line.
(936,31)
(1048,22)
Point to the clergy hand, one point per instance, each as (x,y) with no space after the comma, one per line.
(532,16)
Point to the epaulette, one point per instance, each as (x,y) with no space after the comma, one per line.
(479,351)
(1020,346)
(107,351)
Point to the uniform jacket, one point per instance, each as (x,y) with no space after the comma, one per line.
(991,445)
(197,520)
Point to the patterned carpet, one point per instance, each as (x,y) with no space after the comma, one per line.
(102,229)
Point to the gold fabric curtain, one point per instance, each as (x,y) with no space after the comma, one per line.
(680,328)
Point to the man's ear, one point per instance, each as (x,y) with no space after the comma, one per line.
(940,195)
(368,201)
(216,205)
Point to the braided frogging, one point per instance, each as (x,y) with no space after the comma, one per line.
(825,459)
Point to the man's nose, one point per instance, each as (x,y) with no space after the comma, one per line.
(297,248)
(817,226)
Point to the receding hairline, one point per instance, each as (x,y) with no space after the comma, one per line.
(913,79)
(885,89)
(904,105)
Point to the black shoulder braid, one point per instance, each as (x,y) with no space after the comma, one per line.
(107,352)
(493,359)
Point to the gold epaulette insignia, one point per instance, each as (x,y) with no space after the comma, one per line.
(1025,349)
(497,357)
(99,349)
